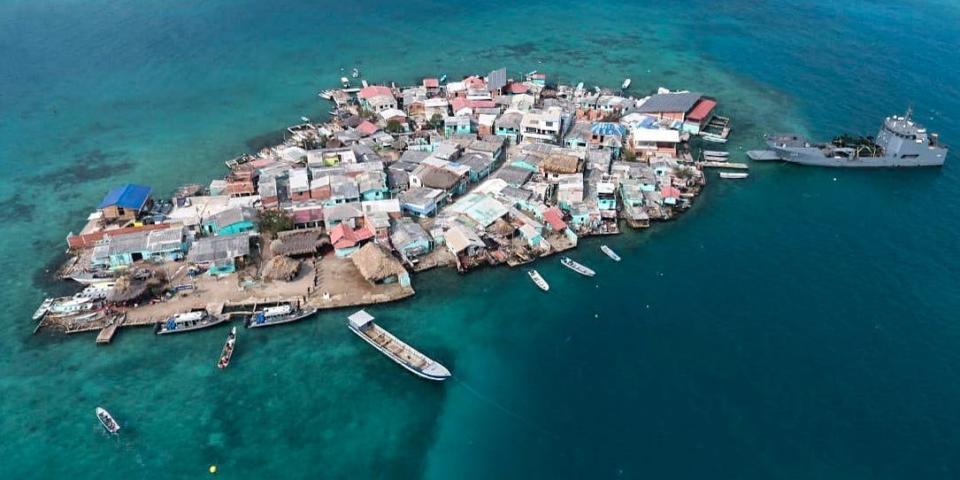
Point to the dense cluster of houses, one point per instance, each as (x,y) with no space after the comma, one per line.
(488,169)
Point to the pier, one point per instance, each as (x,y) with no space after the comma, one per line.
(106,334)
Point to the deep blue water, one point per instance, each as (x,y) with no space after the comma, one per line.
(800,324)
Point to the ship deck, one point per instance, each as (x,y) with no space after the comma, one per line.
(403,351)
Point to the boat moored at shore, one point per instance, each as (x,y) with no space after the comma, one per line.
(188,322)
(577,267)
(278,315)
(227,353)
(610,253)
(538,280)
(734,175)
(362,324)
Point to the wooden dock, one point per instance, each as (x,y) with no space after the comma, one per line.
(106,333)
(730,165)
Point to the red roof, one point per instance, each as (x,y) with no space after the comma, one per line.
(459,103)
(366,128)
(307,215)
(554,217)
(262,162)
(374,90)
(431,82)
(670,191)
(483,104)
(342,236)
(701,110)
(517,88)
(475,82)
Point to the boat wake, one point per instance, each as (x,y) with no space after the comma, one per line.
(493,403)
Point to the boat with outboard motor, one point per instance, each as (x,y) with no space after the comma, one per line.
(362,324)
(577,267)
(107,420)
(227,353)
(538,280)
(610,253)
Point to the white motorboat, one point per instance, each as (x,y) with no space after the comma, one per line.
(734,175)
(186,322)
(43,308)
(610,253)
(538,280)
(577,267)
(625,85)
(716,153)
(713,138)
(361,323)
(107,420)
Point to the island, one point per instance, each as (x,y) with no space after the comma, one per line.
(487,170)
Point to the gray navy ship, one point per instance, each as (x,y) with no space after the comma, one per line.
(901,143)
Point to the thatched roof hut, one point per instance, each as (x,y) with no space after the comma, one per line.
(281,268)
(298,242)
(375,264)
(126,289)
(503,227)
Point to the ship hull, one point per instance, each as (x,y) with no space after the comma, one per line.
(398,360)
(815,157)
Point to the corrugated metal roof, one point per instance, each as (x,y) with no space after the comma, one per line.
(127,196)
(670,102)
(497,80)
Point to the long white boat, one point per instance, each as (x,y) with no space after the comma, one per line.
(610,253)
(713,138)
(188,322)
(576,267)
(278,315)
(716,153)
(43,308)
(107,420)
(538,280)
(734,175)
(406,356)
(626,84)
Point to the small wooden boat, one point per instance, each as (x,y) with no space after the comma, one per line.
(734,175)
(107,420)
(716,153)
(625,85)
(711,158)
(610,253)
(361,323)
(538,280)
(577,267)
(227,353)
(713,138)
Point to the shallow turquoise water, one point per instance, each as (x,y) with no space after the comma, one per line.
(798,324)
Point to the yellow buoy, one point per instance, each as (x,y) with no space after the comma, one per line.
(213,469)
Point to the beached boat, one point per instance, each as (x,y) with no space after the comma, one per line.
(734,175)
(107,420)
(625,85)
(43,308)
(716,153)
(610,253)
(538,280)
(187,322)
(72,305)
(362,324)
(92,277)
(577,267)
(227,353)
(278,315)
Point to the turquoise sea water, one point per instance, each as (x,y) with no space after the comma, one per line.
(799,324)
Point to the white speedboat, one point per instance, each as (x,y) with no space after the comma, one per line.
(610,253)
(43,308)
(361,323)
(576,267)
(734,175)
(716,153)
(278,315)
(625,85)
(538,280)
(187,322)
(107,420)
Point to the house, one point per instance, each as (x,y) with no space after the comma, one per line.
(120,251)
(297,243)
(485,122)
(699,115)
(447,178)
(631,196)
(606,198)
(347,240)
(372,185)
(670,194)
(492,145)
(331,157)
(378,267)
(230,222)
(320,188)
(607,135)
(541,126)
(307,214)
(480,164)
(436,106)
(496,80)
(669,106)
(560,164)
(124,203)
(513,175)
(578,138)
(269,192)
(463,242)
(393,114)
(421,201)
(508,126)
(377,98)
(531,235)
(366,128)
(432,85)
(569,190)
(343,189)
(652,142)
(410,239)
(554,218)
(349,213)
(457,125)
(299,182)
(242,182)
(221,255)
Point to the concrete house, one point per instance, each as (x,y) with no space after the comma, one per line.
(125,203)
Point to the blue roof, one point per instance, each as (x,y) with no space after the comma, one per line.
(608,128)
(127,196)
